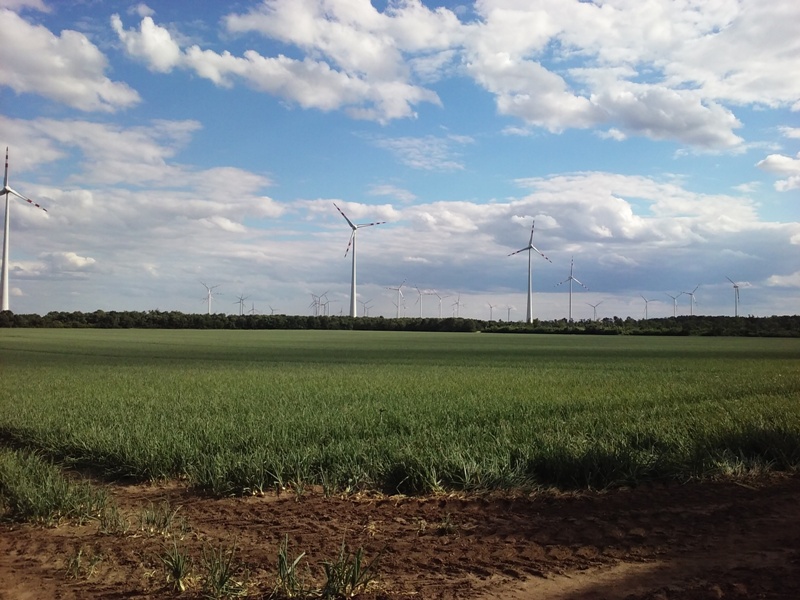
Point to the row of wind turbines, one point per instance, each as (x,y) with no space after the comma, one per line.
(529,248)
(354,227)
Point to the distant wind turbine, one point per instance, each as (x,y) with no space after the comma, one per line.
(646,302)
(209,294)
(440,297)
(365,305)
(8,192)
(528,248)
(355,228)
(399,289)
(240,302)
(692,301)
(571,279)
(491,310)
(594,309)
(457,305)
(735,296)
(509,308)
(675,303)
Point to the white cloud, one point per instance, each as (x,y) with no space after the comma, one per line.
(429,153)
(393,191)
(68,261)
(152,43)
(66,68)
(784,166)
(789,281)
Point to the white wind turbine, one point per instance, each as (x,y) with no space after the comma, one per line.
(735,296)
(355,228)
(528,248)
(646,302)
(457,305)
(8,192)
(594,309)
(209,294)
(365,306)
(240,302)
(675,303)
(571,279)
(399,289)
(692,301)
(509,308)
(491,310)
(440,297)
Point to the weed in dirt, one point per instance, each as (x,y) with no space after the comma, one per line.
(82,564)
(178,565)
(447,526)
(113,522)
(161,520)
(348,575)
(224,576)
(289,584)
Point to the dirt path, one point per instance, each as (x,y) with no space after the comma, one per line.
(698,540)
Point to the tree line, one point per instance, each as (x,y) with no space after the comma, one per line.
(775,326)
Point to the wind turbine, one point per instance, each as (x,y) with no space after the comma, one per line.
(571,279)
(209,294)
(646,302)
(355,228)
(365,306)
(528,248)
(491,310)
(509,308)
(691,299)
(735,296)
(8,192)
(440,302)
(240,302)
(457,305)
(399,289)
(675,303)
(594,308)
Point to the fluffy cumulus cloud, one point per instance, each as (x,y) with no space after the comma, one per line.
(66,68)
(783,166)
(656,68)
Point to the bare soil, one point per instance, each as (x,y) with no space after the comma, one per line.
(717,539)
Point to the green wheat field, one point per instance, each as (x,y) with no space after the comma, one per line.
(235,412)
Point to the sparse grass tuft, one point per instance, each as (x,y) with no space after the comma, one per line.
(289,583)
(224,576)
(178,565)
(348,575)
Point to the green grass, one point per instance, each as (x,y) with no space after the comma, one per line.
(243,411)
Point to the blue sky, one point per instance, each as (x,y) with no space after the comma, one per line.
(173,143)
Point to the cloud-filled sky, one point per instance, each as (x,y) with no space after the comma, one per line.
(655,142)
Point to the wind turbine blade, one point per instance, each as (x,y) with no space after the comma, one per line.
(345,216)
(520,250)
(530,241)
(579,283)
(540,254)
(370,224)
(8,190)
(349,243)
(5,176)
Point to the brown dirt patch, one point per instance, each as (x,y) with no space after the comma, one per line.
(657,541)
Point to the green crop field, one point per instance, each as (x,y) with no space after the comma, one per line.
(240,411)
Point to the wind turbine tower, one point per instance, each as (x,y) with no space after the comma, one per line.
(594,309)
(8,192)
(209,294)
(355,228)
(735,296)
(240,302)
(440,297)
(399,289)
(674,304)
(528,248)
(571,279)
(646,302)
(691,299)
